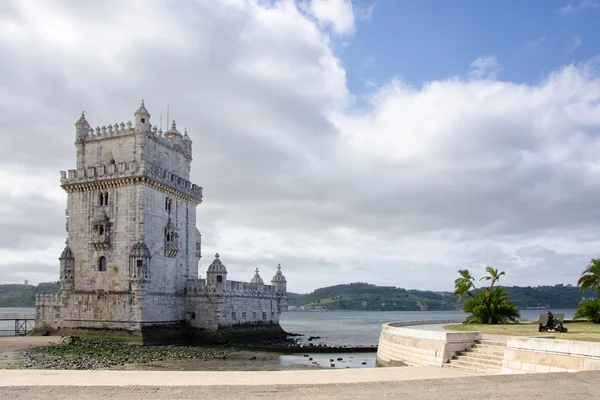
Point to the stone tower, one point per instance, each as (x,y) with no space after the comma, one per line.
(131,226)
(130,263)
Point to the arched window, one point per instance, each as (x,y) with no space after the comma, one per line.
(103,198)
(139,260)
(102,264)
(101,229)
(168,202)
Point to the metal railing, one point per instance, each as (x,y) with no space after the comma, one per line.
(23,323)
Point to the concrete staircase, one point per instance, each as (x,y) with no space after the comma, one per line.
(485,357)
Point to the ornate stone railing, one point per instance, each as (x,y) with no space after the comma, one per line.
(120,130)
(130,169)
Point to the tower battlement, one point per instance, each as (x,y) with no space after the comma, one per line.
(105,175)
(183,145)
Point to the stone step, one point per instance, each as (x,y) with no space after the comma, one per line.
(479,370)
(487,348)
(493,343)
(478,360)
(474,365)
(498,353)
(485,345)
(480,356)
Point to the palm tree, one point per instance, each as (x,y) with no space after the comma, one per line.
(494,276)
(590,277)
(464,284)
(488,305)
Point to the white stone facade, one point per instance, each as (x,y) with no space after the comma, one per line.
(132,253)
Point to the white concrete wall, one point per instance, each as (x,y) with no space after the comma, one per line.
(531,355)
(401,345)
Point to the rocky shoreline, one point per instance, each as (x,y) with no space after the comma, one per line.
(85,353)
(91,353)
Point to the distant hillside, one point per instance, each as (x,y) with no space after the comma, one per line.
(367,297)
(557,296)
(24,295)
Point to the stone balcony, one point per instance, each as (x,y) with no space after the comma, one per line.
(100,241)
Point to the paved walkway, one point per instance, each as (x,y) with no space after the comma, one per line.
(207,378)
(575,386)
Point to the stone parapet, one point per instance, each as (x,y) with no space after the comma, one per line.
(48,300)
(534,355)
(121,130)
(399,345)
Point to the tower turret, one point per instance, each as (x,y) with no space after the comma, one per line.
(257,280)
(142,119)
(82,127)
(216,274)
(67,267)
(174,135)
(279,282)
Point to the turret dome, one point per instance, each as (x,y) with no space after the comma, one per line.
(217,266)
(66,254)
(142,111)
(257,279)
(278,277)
(173,131)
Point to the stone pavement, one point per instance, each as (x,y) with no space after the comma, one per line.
(29,377)
(575,386)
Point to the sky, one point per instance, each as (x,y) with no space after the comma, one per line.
(389,142)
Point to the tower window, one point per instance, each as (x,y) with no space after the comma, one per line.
(219,278)
(143,120)
(102,264)
(103,198)
(101,229)
(168,202)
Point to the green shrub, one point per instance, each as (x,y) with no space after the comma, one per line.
(590,310)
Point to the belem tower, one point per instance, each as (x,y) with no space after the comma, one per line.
(130,263)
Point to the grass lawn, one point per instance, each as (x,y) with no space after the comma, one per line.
(577,331)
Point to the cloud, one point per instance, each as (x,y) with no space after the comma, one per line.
(485,67)
(337,13)
(402,188)
(576,7)
(537,41)
(364,12)
(575,43)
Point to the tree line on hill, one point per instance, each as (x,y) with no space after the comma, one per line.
(367,297)
(14,295)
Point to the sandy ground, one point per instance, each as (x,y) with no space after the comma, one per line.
(12,348)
